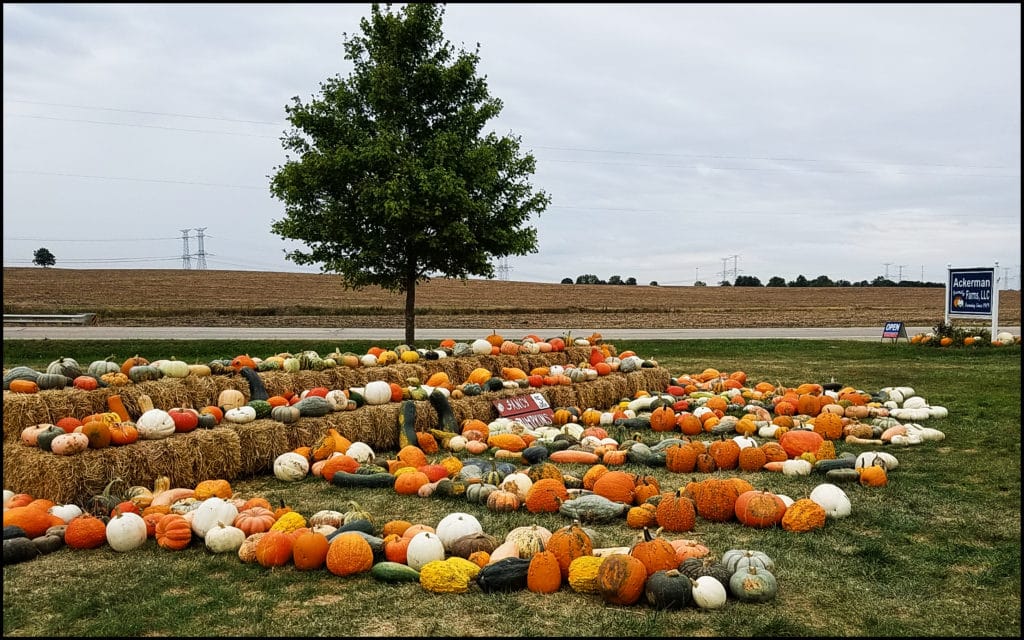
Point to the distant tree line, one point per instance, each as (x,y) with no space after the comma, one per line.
(589,278)
(775,281)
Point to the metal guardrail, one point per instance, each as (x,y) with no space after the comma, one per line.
(49,319)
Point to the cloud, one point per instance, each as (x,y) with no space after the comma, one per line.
(804,139)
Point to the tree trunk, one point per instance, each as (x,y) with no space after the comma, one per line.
(410,312)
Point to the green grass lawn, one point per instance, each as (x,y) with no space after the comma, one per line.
(934,553)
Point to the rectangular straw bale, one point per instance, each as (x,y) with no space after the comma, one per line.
(202,390)
(260,442)
(307,432)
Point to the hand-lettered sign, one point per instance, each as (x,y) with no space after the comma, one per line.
(532,409)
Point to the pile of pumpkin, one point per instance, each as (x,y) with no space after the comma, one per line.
(67,372)
(447,558)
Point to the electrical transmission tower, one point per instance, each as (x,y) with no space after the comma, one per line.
(503,269)
(901,272)
(886,269)
(735,267)
(725,269)
(186,258)
(201,254)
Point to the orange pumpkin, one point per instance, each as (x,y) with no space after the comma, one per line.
(309,551)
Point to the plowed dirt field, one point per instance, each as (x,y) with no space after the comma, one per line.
(164,297)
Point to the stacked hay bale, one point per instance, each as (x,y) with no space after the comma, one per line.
(233,450)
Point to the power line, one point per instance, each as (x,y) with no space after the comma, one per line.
(788,170)
(550,148)
(771,158)
(145,126)
(151,113)
(79,175)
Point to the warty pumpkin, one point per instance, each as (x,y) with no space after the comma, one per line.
(803,515)
(567,544)
(656,553)
(621,579)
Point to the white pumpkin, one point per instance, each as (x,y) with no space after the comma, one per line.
(337,399)
(796,467)
(708,593)
(1004,338)
(361,452)
(240,415)
(832,499)
(455,525)
(481,347)
(868,458)
(917,402)
(518,483)
(155,424)
(456,443)
(65,511)
(786,500)
(210,512)
(745,441)
(290,467)
(126,531)
(368,360)
(328,517)
(224,538)
(8,494)
(938,412)
(768,430)
(68,444)
(174,368)
(423,548)
(377,392)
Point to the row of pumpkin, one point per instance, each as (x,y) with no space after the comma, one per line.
(448,558)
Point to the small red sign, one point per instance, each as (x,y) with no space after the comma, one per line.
(532,409)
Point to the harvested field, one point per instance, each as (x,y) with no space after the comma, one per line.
(168,297)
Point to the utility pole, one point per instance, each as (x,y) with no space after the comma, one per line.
(725,269)
(1006,277)
(186,259)
(922,274)
(696,279)
(201,255)
(901,272)
(735,267)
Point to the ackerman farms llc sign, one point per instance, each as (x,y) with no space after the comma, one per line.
(971,292)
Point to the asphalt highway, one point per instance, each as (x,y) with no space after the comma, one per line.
(391,335)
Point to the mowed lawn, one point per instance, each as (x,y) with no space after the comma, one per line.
(936,552)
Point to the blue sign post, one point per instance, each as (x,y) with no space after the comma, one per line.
(972,293)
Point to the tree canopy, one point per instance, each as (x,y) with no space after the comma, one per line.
(395,179)
(43,258)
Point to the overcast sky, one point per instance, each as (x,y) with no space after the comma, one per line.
(850,141)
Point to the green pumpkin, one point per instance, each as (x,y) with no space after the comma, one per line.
(472,389)
(207,421)
(66,367)
(20,373)
(143,373)
(262,408)
(45,439)
(753,585)
(99,367)
(494,384)
(286,414)
(52,381)
(477,493)
(668,590)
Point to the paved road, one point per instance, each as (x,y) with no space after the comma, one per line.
(391,335)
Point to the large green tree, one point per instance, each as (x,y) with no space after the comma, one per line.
(395,179)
